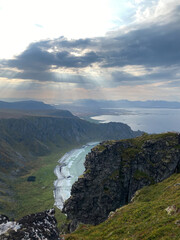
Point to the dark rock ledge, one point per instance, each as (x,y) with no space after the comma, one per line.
(31,227)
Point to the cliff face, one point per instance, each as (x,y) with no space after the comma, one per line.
(115,170)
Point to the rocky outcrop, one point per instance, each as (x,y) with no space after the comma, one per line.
(115,170)
(35,226)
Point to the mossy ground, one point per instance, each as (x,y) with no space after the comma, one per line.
(144,219)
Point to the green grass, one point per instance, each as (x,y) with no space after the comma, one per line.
(144,219)
(138,141)
(101,147)
(36,196)
(140,175)
(33,197)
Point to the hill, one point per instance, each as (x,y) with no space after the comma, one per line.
(25,105)
(14,113)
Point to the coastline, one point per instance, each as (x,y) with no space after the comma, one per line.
(70,167)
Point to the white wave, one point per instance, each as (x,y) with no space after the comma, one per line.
(70,167)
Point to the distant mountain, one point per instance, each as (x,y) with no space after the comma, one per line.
(88,107)
(25,105)
(126,104)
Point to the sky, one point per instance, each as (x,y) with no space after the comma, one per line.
(63,50)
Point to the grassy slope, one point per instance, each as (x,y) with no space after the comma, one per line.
(33,197)
(144,219)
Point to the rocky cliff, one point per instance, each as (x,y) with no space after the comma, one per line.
(115,170)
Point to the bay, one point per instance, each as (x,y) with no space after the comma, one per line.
(150,120)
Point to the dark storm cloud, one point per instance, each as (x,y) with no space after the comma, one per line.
(124,78)
(79,43)
(151,45)
(155,46)
(33,59)
(37,58)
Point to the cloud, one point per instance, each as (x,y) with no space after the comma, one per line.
(149,44)
(36,58)
(160,76)
(152,46)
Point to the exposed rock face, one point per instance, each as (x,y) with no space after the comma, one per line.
(115,170)
(35,226)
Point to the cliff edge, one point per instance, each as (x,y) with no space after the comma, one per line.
(115,170)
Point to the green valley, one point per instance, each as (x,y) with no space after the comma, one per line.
(31,144)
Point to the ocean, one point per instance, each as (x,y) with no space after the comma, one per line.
(150,120)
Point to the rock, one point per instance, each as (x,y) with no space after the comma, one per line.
(111,214)
(3,219)
(115,170)
(177,184)
(31,179)
(171,210)
(135,196)
(35,226)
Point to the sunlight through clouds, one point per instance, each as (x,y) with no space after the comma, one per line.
(89,48)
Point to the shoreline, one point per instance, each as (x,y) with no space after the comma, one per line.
(70,167)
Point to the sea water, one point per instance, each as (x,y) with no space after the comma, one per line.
(150,120)
(70,167)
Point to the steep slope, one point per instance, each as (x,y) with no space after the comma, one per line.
(115,170)
(154,214)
